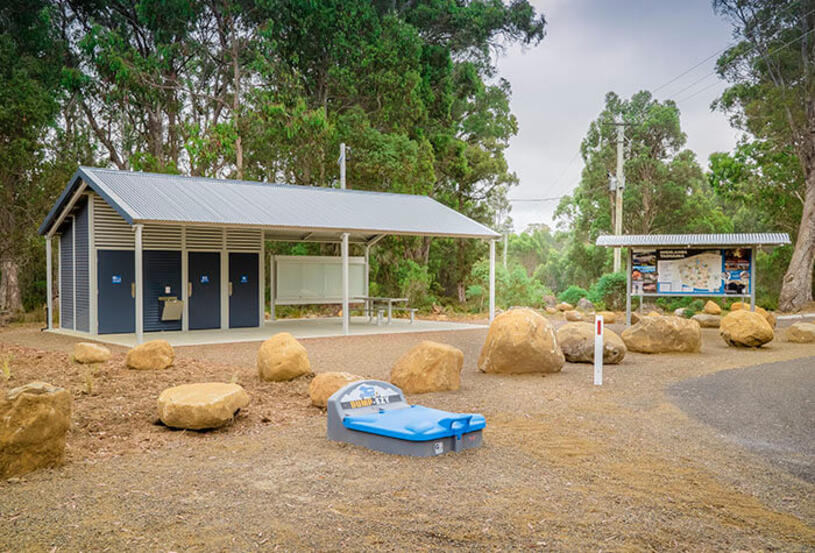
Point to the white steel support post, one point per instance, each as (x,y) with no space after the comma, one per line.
(139,286)
(346,316)
(272,288)
(628,289)
(49,287)
(753,253)
(492,280)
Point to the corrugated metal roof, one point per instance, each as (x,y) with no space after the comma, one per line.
(684,240)
(151,197)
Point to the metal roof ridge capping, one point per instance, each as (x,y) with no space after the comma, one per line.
(161,198)
(690,240)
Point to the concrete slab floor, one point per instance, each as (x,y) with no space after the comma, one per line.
(299,328)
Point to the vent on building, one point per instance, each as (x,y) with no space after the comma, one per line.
(109,229)
(244,239)
(203,238)
(162,237)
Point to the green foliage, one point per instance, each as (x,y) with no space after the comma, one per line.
(609,291)
(513,286)
(414,283)
(573,294)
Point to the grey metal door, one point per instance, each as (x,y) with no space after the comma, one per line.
(162,278)
(205,290)
(116,283)
(243,290)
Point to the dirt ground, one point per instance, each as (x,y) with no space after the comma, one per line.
(566,466)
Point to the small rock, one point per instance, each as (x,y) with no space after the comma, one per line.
(88,352)
(551,310)
(706,320)
(201,406)
(153,355)
(712,308)
(281,358)
(655,334)
(428,367)
(576,340)
(801,333)
(769,317)
(325,384)
(521,341)
(585,305)
(743,328)
(549,300)
(573,315)
(609,317)
(635,317)
(33,422)
(680,312)
(563,306)
(738,305)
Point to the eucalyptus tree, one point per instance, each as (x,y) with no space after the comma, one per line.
(771,68)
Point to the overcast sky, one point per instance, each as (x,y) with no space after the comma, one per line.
(595,46)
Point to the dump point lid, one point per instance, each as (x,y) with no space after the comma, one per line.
(415,423)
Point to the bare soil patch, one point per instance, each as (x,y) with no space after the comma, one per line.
(566,466)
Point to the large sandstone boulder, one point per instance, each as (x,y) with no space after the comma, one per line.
(801,333)
(738,306)
(281,357)
(706,320)
(769,317)
(609,317)
(520,341)
(33,421)
(576,340)
(153,355)
(324,385)
(663,334)
(745,329)
(428,367)
(573,315)
(712,308)
(563,306)
(584,304)
(88,352)
(200,406)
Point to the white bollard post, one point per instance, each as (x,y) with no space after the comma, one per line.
(598,350)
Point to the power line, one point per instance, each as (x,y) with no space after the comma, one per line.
(714,54)
(537,199)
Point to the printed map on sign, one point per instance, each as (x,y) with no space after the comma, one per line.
(702,272)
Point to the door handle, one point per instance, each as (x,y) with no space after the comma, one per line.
(133,289)
(230,288)
(189,289)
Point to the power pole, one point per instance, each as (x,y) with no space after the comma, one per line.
(341,161)
(618,191)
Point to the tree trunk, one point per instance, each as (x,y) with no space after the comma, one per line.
(796,289)
(462,292)
(11,300)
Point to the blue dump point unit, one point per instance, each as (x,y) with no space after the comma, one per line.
(374,414)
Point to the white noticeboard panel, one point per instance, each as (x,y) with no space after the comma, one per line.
(301,279)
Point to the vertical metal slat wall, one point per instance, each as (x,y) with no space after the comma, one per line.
(82,270)
(66,285)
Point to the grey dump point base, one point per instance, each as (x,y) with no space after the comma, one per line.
(374,414)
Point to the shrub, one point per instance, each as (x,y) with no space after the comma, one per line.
(572,294)
(414,282)
(609,291)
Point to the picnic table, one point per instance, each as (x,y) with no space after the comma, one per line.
(371,303)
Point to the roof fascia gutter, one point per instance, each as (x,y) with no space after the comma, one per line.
(67,209)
